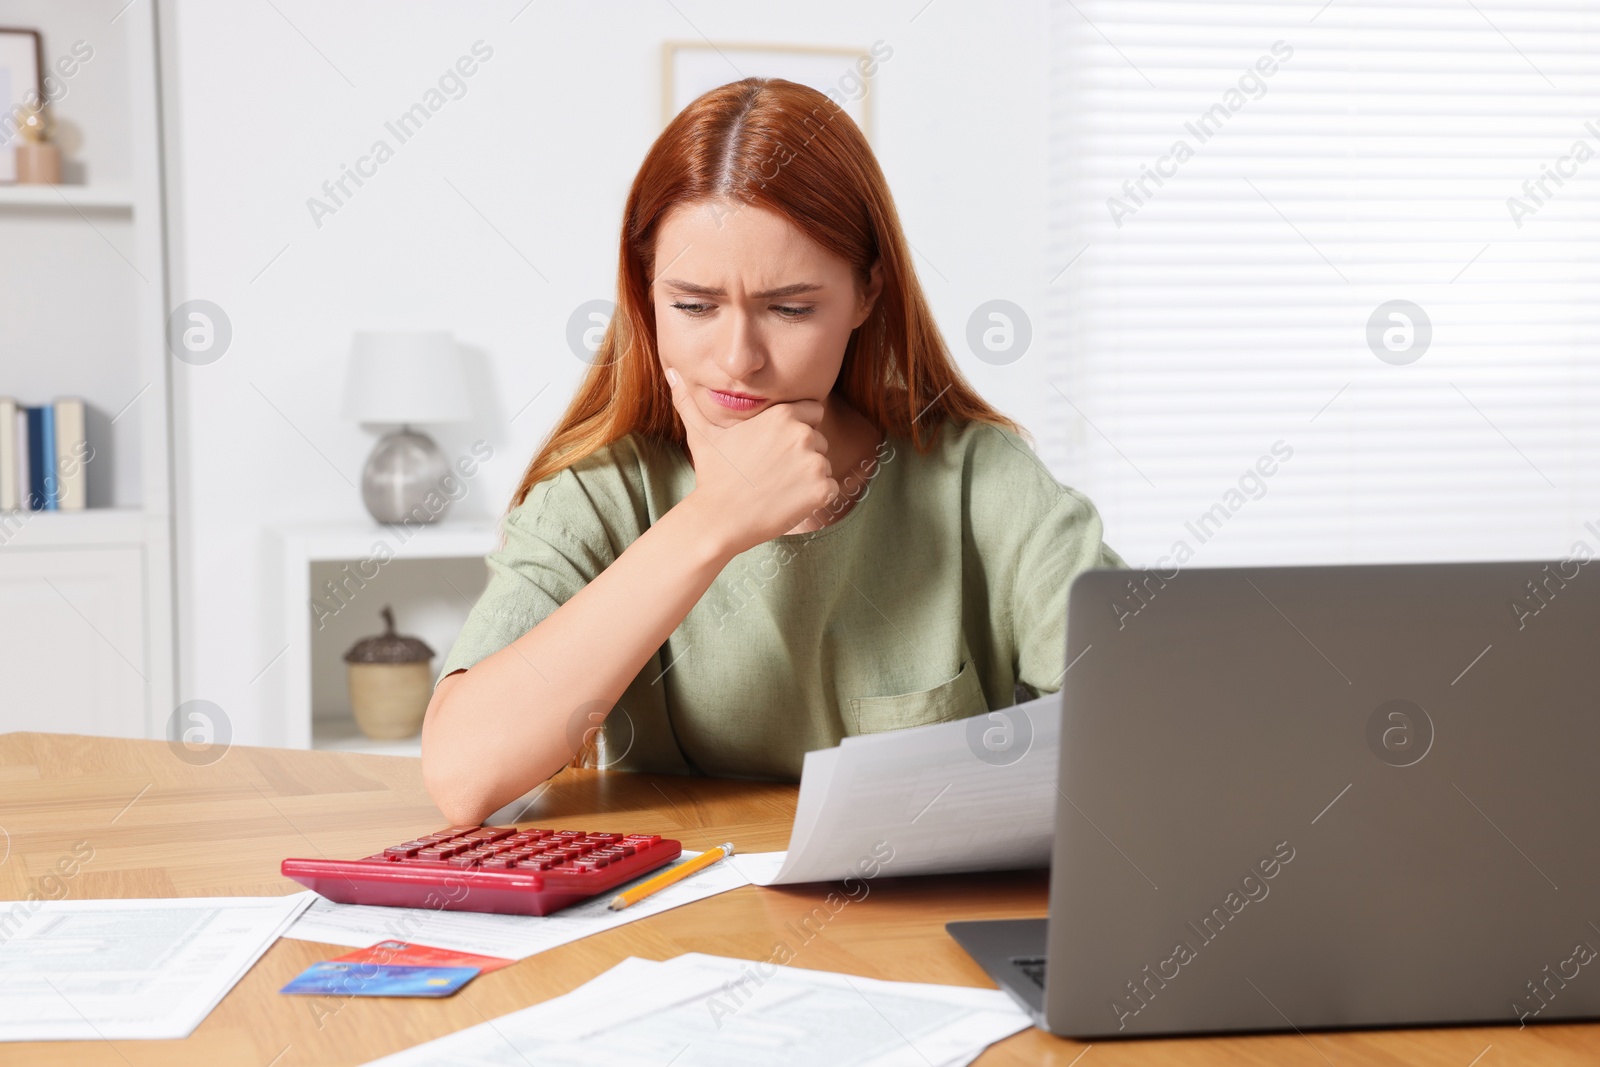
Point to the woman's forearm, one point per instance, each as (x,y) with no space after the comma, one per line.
(502,727)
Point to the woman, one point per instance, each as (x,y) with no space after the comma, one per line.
(774,515)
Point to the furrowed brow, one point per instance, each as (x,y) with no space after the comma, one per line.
(797,289)
(693,289)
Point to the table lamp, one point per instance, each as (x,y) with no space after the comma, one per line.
(405,379)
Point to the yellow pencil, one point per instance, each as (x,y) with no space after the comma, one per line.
(671,877)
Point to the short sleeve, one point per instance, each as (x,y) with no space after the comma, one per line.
(1066,543)
(1037,535)
(569,529)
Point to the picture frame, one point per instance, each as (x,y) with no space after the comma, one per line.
(846,75)
(21,74)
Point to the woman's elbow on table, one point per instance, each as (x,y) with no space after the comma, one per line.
(470,772)
(453,779)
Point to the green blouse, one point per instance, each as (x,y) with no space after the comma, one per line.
(939,593)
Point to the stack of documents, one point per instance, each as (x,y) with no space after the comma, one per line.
(710,1011)
(976,794)
(110,969)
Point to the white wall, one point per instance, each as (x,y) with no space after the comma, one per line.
(262,108)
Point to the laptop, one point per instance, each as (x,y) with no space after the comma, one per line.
(1298,798)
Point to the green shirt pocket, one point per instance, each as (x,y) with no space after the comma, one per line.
(958,698)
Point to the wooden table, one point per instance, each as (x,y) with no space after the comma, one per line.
(160,827)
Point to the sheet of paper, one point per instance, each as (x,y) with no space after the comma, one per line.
(512,936)
(971,795)
(711,1011)
(758,868)
(114,969)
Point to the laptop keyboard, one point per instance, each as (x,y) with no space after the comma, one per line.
(1032,966)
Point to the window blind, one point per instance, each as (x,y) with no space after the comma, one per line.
(1324,277)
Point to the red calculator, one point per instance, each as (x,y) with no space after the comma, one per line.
(488,868)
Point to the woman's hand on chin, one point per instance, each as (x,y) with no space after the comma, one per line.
(760,477)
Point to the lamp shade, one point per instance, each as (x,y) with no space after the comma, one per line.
(410,377)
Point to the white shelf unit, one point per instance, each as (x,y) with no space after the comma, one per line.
(68,197)
(343,736)
(86,598)
(55,529)
(430,573)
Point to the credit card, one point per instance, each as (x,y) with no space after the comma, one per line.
(407,954)
(338,978)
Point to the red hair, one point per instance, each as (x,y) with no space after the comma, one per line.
(789,149)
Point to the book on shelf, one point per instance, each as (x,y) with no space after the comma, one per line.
(71,488)
(43,454)
(39,459)
(10,497)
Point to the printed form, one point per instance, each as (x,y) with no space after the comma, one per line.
(976,794)
(77,970)
(711,1011)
